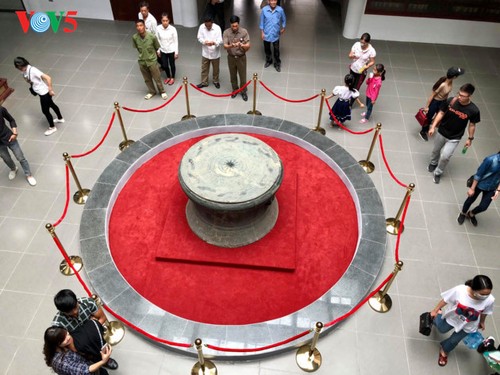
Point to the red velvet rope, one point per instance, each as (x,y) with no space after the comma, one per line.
(100,142)
(70,264)
(67,200)
(403,217)
(235,92)
(341,125)
(386,163)
(171,343)
(356,308)
(285,99)
(302,334)
(157,108)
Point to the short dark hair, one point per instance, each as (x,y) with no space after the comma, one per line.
(468,88)
(140,21)
(208,18)
(165,14)
(143,4)
(65,300)
(234,19)
(366,37)
(20,62)
(479,282)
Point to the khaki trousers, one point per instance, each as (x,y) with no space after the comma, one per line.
(150,74)
(237,66)
(205,69)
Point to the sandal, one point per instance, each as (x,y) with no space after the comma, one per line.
(172,81)
(443,359)
(148,96)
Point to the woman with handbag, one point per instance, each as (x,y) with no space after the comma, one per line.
(41,85)
(485,181)
(62,354)
(466,309)
(440,92)
(362,55)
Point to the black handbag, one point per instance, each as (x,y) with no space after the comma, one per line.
(33,92)
(425,325)
(470,180)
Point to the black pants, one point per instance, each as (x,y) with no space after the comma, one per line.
(483,205)
(217,13)
(167,62)
(276,52)
(47,103)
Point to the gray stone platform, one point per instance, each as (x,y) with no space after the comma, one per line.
(115,292)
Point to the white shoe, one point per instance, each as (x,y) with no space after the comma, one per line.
(164,96)
(148,96)
(56,120)
(12,174)
(31,180)
(50,131)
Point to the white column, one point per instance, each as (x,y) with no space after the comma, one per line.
(185,12)
(354,14)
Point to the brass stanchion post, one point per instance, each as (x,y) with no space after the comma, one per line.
(381,302)
(254,111)
(115,330)
(367,165)
(308,357)
(189,115)
(80,197)
(126,142)
(203,366)
(64,267)
(393,224)
(318,127)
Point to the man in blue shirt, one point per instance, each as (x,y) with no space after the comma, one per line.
(272,25)
(486,181)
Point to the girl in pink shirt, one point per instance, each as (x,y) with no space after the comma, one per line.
(373,85)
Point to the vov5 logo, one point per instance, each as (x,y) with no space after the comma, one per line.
(41,21)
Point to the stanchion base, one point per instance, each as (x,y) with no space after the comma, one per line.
(381,305)
(367,166)
(308,361)
(187,117)
(80,197)
(124,144)
(208,368)
(392,226)
(114,332)
(320,130)
(257,113)
(66,270)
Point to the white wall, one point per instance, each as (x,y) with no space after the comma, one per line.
(97,9)
(431,30)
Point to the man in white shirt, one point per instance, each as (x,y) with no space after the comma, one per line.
(148,18)
(210,37)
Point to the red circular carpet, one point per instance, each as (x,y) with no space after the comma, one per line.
(305,254)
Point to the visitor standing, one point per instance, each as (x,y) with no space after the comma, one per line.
(272,26)
(342,108)
(362,55)
(149,20)
(373,85)
(210,38)
(169,47)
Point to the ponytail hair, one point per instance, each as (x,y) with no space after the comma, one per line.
(349,82)
(381,70)
(438,83)
(479,282)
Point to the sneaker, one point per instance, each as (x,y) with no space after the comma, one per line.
(149,96)
(59,120)
(363,121)
(31,180)
(461,218)
(164,95)
(12,174)
(431,167)
(50,131)
(472,219)
(423,135)
(436,178)
(363,114)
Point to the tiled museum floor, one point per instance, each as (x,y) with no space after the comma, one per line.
(96,66)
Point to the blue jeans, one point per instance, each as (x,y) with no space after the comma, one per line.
(451,342)
(18,153)
(369,108)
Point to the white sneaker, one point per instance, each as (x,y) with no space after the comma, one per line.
(149,96)
(60,120)
(12,174)
(50,131)
(164,96)
(31,180)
